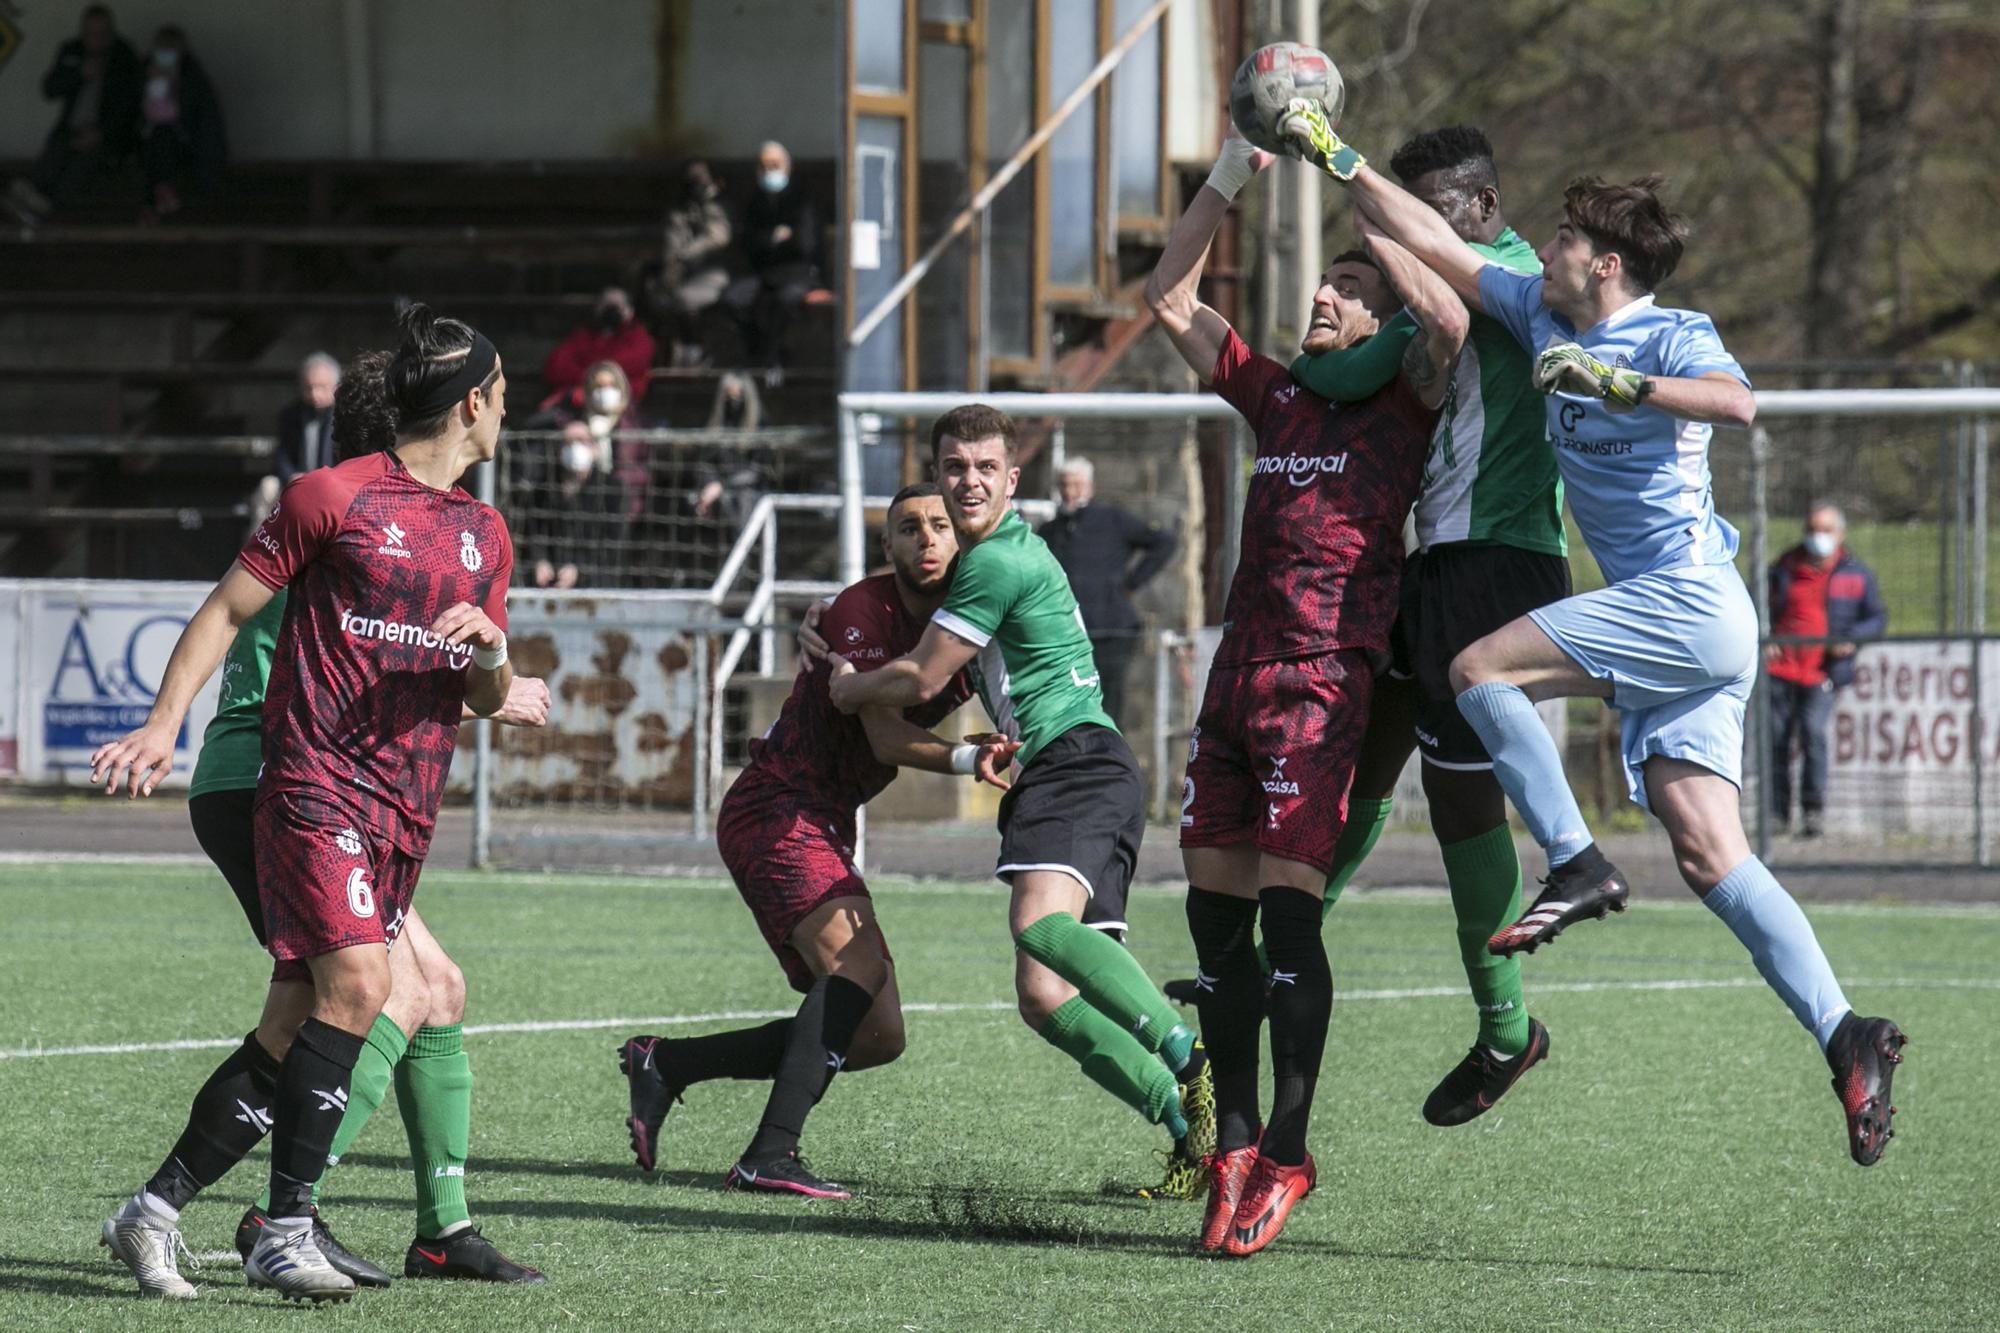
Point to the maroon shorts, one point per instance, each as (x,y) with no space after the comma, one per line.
(787,862)
(328,880)
(1272,755)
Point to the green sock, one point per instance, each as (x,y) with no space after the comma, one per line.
(1485,878)
(1111,979)
(434,1093)
(1364,826)
(1112,1058)
(366,1088)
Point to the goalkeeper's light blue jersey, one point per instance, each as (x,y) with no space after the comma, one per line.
(1638,482)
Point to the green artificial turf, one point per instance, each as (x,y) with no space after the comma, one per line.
(1679,1162)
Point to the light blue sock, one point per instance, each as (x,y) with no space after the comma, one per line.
(1529,766)
(1781,942)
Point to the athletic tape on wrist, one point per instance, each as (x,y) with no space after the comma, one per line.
(964,759)
(1233,169)
(490,659)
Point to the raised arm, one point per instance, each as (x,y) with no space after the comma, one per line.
(1196,330)
(1407,219)
(1441,317)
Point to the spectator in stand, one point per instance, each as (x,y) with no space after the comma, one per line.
(574,529)
(693,271)
(182,148)
(781,243)
(96,77)
(611,335)
(730,477)
(1108,554)
(305,432)
(1818,590)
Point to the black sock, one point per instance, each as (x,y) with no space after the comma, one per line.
(230,1116)
(312,1097)
(1301,1005)
(739,1053)
(1230,999)
(822,1032)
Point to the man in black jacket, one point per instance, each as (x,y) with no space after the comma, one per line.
(780,238)
(1095,543)
(96,78)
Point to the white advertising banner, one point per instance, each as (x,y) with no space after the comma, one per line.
(1905,735)
(85,660)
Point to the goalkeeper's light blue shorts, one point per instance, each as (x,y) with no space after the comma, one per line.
(1679,647)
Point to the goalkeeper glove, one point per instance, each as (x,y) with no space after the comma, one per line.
(1305,125)
(1567,368)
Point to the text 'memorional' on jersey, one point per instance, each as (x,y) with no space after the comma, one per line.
(818,757)
(1322,552)
(364,701)
(1638,482)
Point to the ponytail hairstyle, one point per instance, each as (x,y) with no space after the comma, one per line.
(437,362)
(363,421)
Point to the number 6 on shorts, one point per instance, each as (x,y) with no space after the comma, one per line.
(360,893)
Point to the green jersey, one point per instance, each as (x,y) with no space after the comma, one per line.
(232,749)
(1491,475)
(1034,672)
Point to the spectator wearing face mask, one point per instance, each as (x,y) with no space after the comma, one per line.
(781,245)
(611,335)
(96,77)
(1819,590)
(574,528)
(182,148)
(693,271)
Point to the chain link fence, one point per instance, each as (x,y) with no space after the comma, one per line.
(651,509)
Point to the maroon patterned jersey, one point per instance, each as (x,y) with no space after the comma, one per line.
(818,757)
(364,702)
(1322,553)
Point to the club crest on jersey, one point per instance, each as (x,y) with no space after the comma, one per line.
(1278,784)
(853,634)
(348,841)
(468,552)
(398,543)
(1300,469)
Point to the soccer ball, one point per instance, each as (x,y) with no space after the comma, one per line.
(1269,79)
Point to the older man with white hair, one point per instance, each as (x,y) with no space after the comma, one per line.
(1109,554)
(305,433)
(780,238)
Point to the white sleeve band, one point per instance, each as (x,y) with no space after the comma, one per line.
(1233,169)
(963,757)
(490,659)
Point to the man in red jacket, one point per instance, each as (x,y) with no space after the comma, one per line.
(611,335)
(1818,591)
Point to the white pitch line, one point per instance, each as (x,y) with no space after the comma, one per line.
(999,1006)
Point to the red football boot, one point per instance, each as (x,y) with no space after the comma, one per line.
(1267,1201)
(1227,1173)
